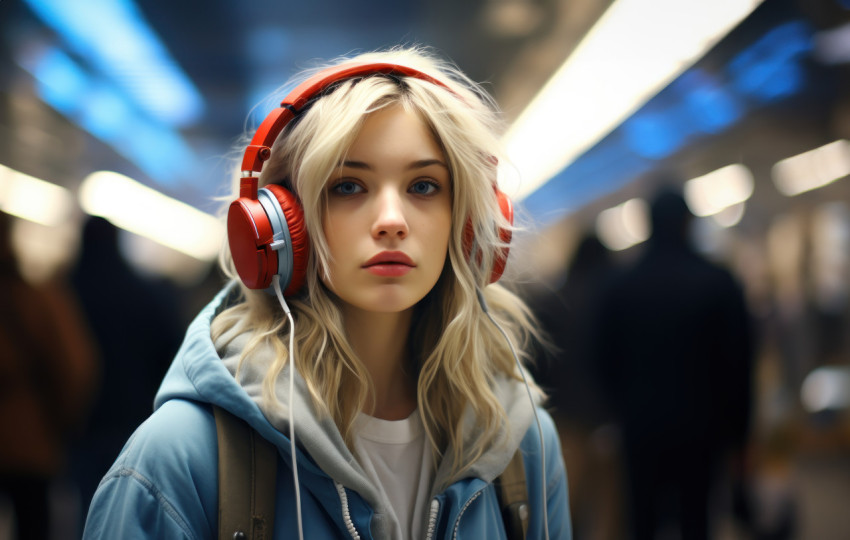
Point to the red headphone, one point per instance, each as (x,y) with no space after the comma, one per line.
(265,227)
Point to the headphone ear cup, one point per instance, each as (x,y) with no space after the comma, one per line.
(500,261)
(500,258)
(267,237)
(299,241)
(249,233)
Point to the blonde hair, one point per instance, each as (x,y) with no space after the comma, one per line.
(458,352)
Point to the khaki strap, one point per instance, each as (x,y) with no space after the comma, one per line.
(247,469)
(513,498)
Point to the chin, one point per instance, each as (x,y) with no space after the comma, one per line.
(389,306)
(388,303)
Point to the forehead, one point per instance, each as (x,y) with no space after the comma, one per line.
(395,132)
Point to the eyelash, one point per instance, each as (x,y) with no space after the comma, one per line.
(337,187)
(429,183)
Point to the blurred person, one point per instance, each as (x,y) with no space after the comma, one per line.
(771,499)
(674,339)
(137,329)
(48,369)
(366,355)
(577,399)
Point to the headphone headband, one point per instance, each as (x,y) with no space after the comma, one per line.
(260,148)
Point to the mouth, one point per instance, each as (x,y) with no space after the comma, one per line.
(389,264)
(390,258)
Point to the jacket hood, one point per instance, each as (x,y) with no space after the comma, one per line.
(201,372)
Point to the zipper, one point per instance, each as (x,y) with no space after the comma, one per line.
(462,510)
(346,514)
(432,519)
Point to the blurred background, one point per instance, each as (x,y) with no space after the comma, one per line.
(118,125)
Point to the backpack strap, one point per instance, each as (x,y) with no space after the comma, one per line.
(247,470)
(513,498)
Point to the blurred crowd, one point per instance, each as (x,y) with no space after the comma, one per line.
(678,401)
(83,355)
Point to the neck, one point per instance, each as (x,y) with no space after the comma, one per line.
(380,341)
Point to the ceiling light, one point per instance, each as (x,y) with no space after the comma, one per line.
(96,106)
(115,38)
(512,18)
(636,48)
(147,212)
(713,192)
(832,46)
(826,388)
(624,225)
(813,169)
(34,199)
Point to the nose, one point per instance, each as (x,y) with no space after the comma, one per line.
(389,216)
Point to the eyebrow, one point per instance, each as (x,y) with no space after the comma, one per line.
(418,164)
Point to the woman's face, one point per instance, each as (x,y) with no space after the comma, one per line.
(388,215)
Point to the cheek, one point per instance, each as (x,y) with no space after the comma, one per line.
(331,233)
(439,238)
(334,236)
(445,228)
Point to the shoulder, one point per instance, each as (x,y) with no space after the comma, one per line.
(182,428)
(542,441)
(165,480)
(542,458)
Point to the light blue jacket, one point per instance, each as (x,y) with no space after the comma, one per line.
(164,483)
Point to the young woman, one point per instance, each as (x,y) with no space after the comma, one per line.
(368,262)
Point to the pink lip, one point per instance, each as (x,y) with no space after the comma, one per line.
(389,264)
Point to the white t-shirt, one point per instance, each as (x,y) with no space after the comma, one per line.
(396,456)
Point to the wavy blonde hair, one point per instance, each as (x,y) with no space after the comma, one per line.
(456,352)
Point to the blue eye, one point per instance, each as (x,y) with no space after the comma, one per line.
(423,187)
(347,187)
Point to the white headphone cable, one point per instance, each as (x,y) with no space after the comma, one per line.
(533,409)
(283,304)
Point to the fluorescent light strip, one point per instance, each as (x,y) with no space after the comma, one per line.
(114,37)
(96,106)
(713,192)
(624,225)
(34,199)
(147,212)
(636,48)
(813,169)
